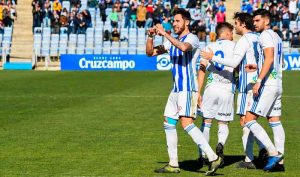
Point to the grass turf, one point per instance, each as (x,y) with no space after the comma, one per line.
(110,124)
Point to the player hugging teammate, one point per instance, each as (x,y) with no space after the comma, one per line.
(257,56)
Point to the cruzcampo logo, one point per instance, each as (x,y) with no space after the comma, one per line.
(273,74)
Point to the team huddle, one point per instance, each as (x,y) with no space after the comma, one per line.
(256,57)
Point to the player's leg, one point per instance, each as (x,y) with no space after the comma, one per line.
(223,133)
(278,131)
(188,104)
(171,119)
(205,128)
(261,107)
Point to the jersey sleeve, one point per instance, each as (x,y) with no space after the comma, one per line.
(230,59)
(266,40)
(193,40)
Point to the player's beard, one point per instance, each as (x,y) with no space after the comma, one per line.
(179,30)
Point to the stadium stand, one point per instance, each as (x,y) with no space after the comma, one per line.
(285,19)
(94,36)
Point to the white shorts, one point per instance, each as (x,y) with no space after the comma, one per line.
(244,101)
(268,102)
(182,104)
(217,103)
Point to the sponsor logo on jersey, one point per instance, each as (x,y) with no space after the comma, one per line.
(163,62)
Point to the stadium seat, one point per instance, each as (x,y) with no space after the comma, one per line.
(63,30)
(37,30)
(132,50)
(98,50)
(141,50)
(80,50)
(67,5)
(115,50)
(106,50)
(71,50)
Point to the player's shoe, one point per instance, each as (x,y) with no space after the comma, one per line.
(277,168)
(247,165)
(272,161)
(219,152)
(262,158)
(214,166)
(168,169)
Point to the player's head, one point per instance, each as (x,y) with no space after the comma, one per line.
(261,19)
(243,22)
(182,20)
(224,31)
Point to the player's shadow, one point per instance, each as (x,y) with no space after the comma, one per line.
(232,159)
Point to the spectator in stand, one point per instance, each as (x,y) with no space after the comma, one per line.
(33,4)
(1,27)
(150,6)
(75,3)
(37,16)
(286,19)
(127,14)
(47,5)
(113,16)
(266,6)
(87,17)
(220,16)
(47,15)
(276,30)
(298,18)
(73,23)
(293,9)
(149,20)
(118,7)
(167,11)
(57,6)
(141,15)
(167,25)
(92,3)
(106,36)
(197,14)
(109,3)
(200,30)
(204,5)
(115,35)
(221,7)
(81,24)
(275,17)
(295,41)
(8,20)
(55,23)
(63,20)
(157,14)
(102,7)
(174,10)
(212,30)
(132,16)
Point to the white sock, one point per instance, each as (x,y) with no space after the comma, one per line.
(262,136)
(205,128)
(248,139)
(279,135)
(223,133)
(201,142)
(171,136)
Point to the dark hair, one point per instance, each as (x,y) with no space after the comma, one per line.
(263,13)
(185,14)
(221,26)
(246,19)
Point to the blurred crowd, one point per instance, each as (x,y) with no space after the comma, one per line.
(285,17)
(7,14)
(129,14)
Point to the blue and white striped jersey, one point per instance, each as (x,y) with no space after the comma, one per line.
(184,64)
(267,39)
(249,49)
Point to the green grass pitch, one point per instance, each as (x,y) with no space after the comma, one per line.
(111,124)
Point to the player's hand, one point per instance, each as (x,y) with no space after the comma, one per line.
(159,29)
(151,32)
(208,55)
(250,68)
(256,88)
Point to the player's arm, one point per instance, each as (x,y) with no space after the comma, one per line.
(231,61)
(269,59)
(201,76)
(150,49)
(183,46)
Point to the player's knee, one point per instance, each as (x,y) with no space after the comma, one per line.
(249,117)
(274,119)
(207,120)
(242,121)
(186,121)
(223,122)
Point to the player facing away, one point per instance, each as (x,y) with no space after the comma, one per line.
(218,96)
(246,51)
(268,91)
(182,101)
